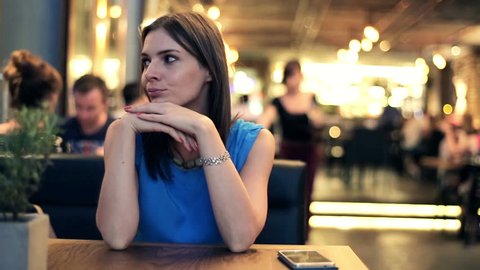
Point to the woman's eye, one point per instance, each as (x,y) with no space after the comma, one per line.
(145,63)
(170,59)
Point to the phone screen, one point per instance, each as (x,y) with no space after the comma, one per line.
(305,256)
(305,259)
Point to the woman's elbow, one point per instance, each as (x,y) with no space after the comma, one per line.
(116,238)
(241,245)
(243,241)
(118,243)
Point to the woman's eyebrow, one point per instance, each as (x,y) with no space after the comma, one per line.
(163,52)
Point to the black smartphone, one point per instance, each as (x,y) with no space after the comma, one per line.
(305,259)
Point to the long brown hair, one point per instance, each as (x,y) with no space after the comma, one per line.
(31,80)
(202,39)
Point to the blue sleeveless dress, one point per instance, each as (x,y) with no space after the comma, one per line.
(179,210)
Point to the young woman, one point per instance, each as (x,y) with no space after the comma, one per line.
(299,116)
(178,169)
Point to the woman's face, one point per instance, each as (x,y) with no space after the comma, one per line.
(293,81)
(172,74)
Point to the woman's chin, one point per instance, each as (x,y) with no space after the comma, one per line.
(158,99)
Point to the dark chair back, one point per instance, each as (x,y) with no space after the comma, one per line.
(286,221)
(368,147)
(69,192)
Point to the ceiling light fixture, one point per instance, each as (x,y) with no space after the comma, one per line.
(342,55)
(354,45)
(367,45)
(456,50)
(439,61)
(198,8)
(115,11)
(371,33)
(213,12)
(385,45)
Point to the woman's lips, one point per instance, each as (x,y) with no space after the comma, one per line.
(155,92)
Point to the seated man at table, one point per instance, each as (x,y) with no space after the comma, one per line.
(85,133)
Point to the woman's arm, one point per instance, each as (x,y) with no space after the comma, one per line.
(316,117)
(239,200)
(315,114)
(117,212)
(268,116)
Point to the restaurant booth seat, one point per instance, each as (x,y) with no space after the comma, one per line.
(286,219)
(70,187)
(68,193)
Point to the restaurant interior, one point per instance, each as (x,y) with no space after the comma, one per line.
(362,59)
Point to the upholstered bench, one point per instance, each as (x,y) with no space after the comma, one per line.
(69,192)
(70,187)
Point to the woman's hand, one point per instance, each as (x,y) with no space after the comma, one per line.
(178,122)
(316,117)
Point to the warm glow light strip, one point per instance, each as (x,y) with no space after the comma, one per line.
(101,36)
(102,9)
(348,223)
(385,209)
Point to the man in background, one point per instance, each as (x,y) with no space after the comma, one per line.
(132,95)
(85,133)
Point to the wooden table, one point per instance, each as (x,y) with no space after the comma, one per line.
(94,254)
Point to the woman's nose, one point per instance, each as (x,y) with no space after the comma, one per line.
(152,72)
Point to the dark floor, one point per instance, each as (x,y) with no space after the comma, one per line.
(391,249)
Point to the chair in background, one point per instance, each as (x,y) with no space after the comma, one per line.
(470,229)
(366,150)
(286,223)
(69,192)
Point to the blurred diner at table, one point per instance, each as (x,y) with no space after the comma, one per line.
(85,132)
(31,82)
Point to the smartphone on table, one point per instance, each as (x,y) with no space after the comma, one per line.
(305,259)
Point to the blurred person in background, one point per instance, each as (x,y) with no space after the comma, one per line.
(32,82)
(85,132)
(420,142)
(242,110)
(300,117)
(132,95)
(390,122)
(458,141)
(461,142)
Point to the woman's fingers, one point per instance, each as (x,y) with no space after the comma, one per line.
(149,108)
(192,144)
(183,139)
(140,125)
(168,118)
(169,130)
(188,141)
(152,117)
(147,123)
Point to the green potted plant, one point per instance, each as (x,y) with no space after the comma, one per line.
(24,155)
